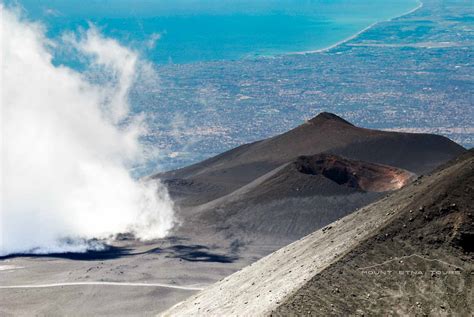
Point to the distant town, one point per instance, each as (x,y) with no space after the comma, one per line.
(408,74)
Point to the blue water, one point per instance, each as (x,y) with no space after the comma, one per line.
(204,30)
(201,100)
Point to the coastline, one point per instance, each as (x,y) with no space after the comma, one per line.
(352,37)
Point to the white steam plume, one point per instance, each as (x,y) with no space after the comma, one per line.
(67,146)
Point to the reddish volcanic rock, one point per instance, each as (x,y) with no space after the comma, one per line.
(356,174)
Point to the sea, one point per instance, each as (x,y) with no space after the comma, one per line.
(188,31)
(235,71)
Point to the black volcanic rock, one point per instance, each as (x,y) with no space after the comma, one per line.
(407,254)
(327,116)
(325,133)
(418,263)
(279,189)
(274,191)
(299,197)
(356,174)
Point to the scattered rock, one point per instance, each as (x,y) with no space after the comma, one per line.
(327,228)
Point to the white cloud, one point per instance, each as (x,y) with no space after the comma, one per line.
(154,38)
(66,151)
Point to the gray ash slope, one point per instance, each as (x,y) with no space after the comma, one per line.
(421,263)
(424,230)
(224,173)
(298,197)
(275,191)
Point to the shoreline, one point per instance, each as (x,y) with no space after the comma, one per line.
(352,37)
(306,52)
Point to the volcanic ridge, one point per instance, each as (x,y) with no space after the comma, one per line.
(407,254)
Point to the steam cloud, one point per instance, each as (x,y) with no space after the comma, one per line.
(68,143)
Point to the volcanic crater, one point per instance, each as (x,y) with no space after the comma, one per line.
(355,174)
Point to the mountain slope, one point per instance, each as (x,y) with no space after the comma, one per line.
(224,173)
(426,226)
(297,198)
(419,264)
